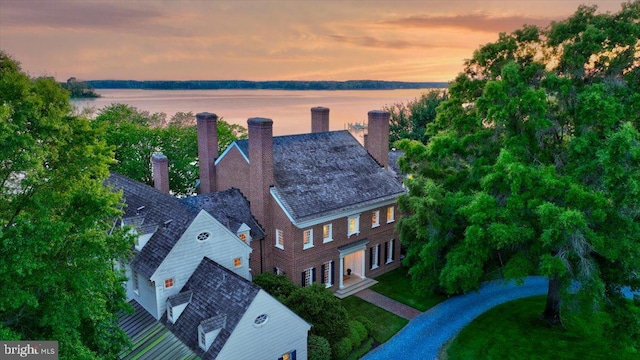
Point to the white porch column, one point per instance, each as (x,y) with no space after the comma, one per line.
(364,264)
(341,271)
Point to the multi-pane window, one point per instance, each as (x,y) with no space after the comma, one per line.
(390,252)
(279,239)
(237,262)
(202,339)
(353,225)
(327,273)
(243,237)
(374,256)
(308,276)
(375,219)
(307,239)
(327,233)
(168,283)
(291,355)
(390,215)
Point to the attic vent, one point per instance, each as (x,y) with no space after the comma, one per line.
(203,236)
(261,320)
(166,223)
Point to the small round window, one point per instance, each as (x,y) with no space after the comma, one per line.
(261,320)
(203,236)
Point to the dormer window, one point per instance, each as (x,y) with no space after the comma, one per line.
(176,305)
(203,236)
(244,233)
(209,329)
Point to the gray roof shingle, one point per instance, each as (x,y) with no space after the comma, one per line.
(148,208)
(230,208)
(220,297)
(319,174)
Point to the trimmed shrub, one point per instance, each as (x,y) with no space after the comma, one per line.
(360,330)
(368,324)
(342,348)
(318,348)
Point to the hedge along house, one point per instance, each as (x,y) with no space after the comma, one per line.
(327,204)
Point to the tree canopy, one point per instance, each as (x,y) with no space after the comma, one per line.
(533,166)
(56,217)
(138,134)
(409,121)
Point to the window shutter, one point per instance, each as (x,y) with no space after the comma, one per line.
(275,270)
(303,280)
(393,251)
(379,252)
(322,269)
(313,275)
(371,258)
(386,251)
(333,272)
(293,355)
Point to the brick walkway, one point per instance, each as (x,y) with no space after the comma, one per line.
(390,305)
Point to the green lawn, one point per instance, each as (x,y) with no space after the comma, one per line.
(397,285)
(385,324)
(514,331)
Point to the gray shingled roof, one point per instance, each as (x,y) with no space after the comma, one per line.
(214,323)
(158,209)
(230,208)
(217,293)
(181,298)
(150,208)
(318,174)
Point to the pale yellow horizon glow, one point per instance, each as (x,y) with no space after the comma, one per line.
(261,39)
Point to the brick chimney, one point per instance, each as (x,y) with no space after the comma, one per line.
(207,150)
(260,166)
(377,142)
(319,119)
(160,168)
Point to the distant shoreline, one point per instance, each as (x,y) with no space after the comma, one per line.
(262,85)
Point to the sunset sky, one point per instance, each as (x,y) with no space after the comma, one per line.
(262,40)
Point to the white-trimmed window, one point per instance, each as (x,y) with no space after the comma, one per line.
(168,283)
(390,215)
(279,239)
(260,320)
(243,236)
(308,276)
(170,313)
(353,225)
(375,256)
(327,273)
(375,219)
(307,239)
(237,262)
(390,252)
(291,355)
(327,233)
(134,281)
(203,339)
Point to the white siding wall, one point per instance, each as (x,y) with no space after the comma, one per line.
(146,295)
(222,247)
(283,332)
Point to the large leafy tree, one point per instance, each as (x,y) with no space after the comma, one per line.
(533,166)
(56,217)
(138,134)
(410,120)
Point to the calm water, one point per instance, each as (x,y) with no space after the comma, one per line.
(289,110)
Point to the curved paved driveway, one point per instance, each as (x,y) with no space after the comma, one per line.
(425,334)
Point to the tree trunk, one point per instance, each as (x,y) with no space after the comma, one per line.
(551,312)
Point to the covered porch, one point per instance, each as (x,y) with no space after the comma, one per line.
(352,269)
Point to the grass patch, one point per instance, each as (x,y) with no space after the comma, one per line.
(514,331)
(396,284)
(385,324)
(361,350)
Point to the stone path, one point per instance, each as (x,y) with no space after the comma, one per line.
(388,304)
(423,336)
